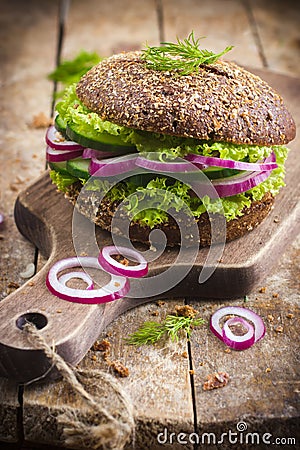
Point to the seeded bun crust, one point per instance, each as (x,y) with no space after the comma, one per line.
(222,102)
(88,205)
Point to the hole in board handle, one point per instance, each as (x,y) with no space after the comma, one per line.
(37,319)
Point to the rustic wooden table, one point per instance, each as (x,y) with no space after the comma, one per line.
(165,381)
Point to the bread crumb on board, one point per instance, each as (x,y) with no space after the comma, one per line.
(119,368)
(216,380)
(104,347)
(160,303)
(40,120)
(185,311)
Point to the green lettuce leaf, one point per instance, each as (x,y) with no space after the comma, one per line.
(275,181)
(70,71)
(73,111)
(62,181)
(162,194)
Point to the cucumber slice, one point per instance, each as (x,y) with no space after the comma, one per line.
(98,141)
(216,172)
(60,125)
(187,177)
(60,167)
(79,168)
(141,179)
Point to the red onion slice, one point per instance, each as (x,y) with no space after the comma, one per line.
(238,342)
(259,327)
(53,155)
(111,166)
(114,267)
(56,141)
(159,166)
(226,187)
(209,161)
(117,288)
(98,154)
(82,275)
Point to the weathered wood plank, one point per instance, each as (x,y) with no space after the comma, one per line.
(158,385)
(278,30)
(110,27)
(222,22)
(29,32)
(9,406)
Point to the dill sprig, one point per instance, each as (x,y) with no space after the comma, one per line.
(173,325)
(148,333)
(185,56)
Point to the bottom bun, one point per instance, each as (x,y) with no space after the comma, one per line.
(102,215)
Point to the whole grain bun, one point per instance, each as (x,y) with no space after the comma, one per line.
(222,102)
(102,214)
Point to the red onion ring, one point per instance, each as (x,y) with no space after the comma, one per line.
(259,327)
(82,275)
(235,341)
(159,166)
(59,143)
(209,161)
(53,155)
(226,187)
(99,154)
(116,268)
(117,288)
(111,166)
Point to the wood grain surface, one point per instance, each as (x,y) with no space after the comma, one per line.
(264,37)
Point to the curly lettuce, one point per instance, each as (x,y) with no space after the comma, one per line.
(62,180)
(73,112)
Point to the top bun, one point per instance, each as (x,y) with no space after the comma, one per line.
(222,101)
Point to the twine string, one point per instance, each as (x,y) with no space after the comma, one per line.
(108,432)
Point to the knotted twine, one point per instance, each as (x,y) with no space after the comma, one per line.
(109,432)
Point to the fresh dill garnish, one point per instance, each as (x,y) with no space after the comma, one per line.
(173,325)
(148,333)
(151,332)
(185,56)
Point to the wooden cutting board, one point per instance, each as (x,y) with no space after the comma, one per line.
(45,218)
